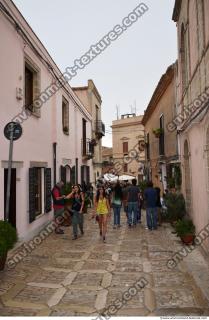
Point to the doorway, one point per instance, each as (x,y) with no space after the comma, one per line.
(12,203)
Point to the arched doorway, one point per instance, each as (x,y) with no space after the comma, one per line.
(187,177)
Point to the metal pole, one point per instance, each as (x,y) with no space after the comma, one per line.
(9,172)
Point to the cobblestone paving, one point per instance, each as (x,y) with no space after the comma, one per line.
(62,277)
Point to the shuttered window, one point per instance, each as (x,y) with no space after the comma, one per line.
(125,147)
(39,192)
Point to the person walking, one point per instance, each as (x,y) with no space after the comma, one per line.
(77,210)
(150,196)
(102,210)
(133,203)
(58,205)
(117,198)
(125,198)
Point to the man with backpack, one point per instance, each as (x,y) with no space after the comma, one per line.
(58,205)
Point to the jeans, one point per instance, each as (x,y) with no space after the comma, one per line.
(116,210)
(132,208)
(152,218)
(77,219)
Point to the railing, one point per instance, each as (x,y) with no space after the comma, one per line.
(99,128)
(87,148)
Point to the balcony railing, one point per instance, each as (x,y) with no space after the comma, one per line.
(99,128)
(87,148)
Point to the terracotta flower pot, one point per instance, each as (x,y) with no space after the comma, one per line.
(187,239)
(3,261)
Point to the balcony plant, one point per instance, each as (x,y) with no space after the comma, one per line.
(93,142)
(157,132)
(185,230)
(8,237)
(66,130)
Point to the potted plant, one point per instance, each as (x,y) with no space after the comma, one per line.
(8,237)
(175,204)
(66,130)
(87,202)
(185,230)
(157,132)
(94,142)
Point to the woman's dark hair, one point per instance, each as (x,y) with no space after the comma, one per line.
(98,193)
(79,188)
(118,191)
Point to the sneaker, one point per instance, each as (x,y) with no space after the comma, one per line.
(74,237)
(104,240)
(119,226)
(129,225)
(114,227)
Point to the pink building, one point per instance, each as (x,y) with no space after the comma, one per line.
(192,119)
(56,137)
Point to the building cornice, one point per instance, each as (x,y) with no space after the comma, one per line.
(176,10)
(158,93)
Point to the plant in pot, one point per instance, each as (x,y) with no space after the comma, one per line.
(87,202)
(8,237)
(185,230)
(175,205)
(157,132)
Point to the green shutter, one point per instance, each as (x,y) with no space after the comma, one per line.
(48,187)
(32,214)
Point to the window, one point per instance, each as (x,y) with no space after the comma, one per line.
(65,116)
(84,137)
(125,167)
(161,138)
(32,87)
(125,147)
(39,192)
(148,147)
(183,60)
(85,174)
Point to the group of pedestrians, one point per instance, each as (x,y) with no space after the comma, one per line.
(116,196)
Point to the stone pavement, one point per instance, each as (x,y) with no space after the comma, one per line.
(62,277)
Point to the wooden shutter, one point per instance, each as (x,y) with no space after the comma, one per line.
(125,147)
(32,211)
(48,187)
(82,173)
(87,174)
(72,176)
(63,174)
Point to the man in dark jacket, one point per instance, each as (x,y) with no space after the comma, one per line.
(150,196)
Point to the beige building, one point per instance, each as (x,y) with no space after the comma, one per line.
(107,160)
(128,145)
(192,19)
(91,99)
(162,163)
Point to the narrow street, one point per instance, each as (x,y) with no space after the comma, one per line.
(83,277)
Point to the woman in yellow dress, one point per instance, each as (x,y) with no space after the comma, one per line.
(102,210)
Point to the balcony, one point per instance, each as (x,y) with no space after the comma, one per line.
(99,129)
(87,149)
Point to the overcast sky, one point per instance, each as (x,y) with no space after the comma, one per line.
(127,72)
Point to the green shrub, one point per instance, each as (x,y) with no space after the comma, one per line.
(175,204)
(184,227)
(8,237)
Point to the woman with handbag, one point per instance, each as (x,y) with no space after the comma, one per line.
(102,210)
(77,210)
